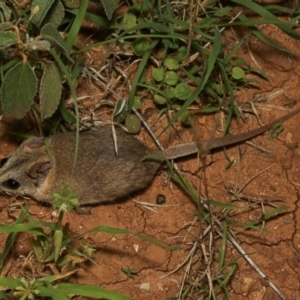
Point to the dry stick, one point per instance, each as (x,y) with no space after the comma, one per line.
(230,237)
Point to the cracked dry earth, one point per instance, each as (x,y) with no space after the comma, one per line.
(272,166)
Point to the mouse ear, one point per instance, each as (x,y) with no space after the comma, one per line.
(34,143)
(39,170)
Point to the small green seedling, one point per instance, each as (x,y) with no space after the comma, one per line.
(130,273)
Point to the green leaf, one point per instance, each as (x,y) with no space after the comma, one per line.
(76,25)
(171,78)
(129,21)
(137,104)
(160,99)
(22,228)
(182,53)
(110,6)
(89,291)
(182,91)
(158,74)
(237,73)
(187,118)
(170,92)
(8,38)
(58,240)
(55,15)
(39,10)
(50,33)
(140,46)
(50,90)
(171,63)
(133,123)
(18,90)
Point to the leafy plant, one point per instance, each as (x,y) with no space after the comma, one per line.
(55,250)
(130,273)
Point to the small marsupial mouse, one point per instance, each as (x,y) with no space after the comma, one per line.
(100,175)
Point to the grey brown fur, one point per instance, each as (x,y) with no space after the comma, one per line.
(99,175)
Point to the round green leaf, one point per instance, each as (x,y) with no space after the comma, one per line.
(173,45)
(171,78)
(160,99)
(140,46)
(170,92)
(186,118)
(182,91)
(158,74)
(171,63)
(129,21)
(237,73)
(137,104)
(182,53)
(133,123)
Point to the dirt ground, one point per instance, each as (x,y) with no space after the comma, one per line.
(272,166)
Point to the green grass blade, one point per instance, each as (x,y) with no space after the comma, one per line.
(89,291)
(139,73)
(73,33)
(267,15)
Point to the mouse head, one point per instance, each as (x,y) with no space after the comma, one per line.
(25,170)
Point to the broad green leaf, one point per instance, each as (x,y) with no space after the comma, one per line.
(182,91)
(171,63)
(182,53)
(171,78)
(50,33)
(50,90)
(187,118)
(160,99)
(170,92)
(158,74)
(133,123)
(129,21)
(140,46)
(137,104)
(39,10)
(110,6)
(55,15)
(18,90)
(237,73)
(7,38)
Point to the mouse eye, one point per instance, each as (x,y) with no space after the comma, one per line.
(11,184)
(3,161)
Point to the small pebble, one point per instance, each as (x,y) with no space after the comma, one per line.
(160,199)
